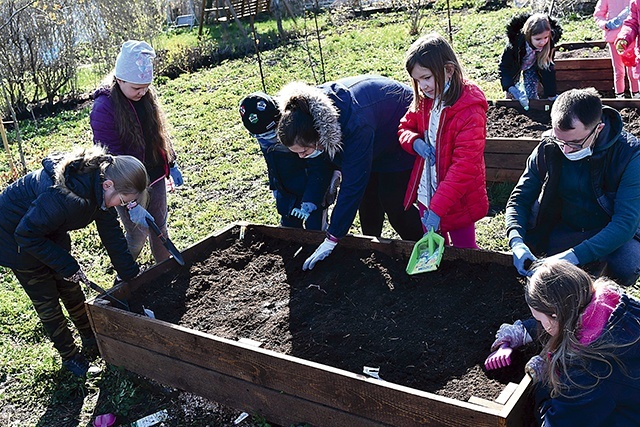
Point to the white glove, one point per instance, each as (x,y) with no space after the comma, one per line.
(323,251)
(138,214)
(515,335)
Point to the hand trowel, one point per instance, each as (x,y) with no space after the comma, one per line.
(426,254)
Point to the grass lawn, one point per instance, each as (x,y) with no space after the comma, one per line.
(225,177)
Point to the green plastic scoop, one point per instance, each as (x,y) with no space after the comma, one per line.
(426,254)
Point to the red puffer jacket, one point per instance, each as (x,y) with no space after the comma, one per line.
(461,196)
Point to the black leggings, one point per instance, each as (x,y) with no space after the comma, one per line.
(385,194)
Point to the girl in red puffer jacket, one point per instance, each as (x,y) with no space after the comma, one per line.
(445,128)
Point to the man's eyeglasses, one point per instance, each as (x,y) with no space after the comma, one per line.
(573,145)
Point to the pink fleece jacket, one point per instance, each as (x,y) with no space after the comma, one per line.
(597,313)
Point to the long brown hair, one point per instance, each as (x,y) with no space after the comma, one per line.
(536,24)
(433,52)
(563,290)
(130,128)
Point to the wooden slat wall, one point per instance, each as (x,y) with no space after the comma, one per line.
(584,72)
(505,158)
(283,388)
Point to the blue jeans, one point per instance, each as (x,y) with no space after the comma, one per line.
(621,265)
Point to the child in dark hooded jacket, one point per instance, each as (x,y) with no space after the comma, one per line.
(36,214)
(529,55)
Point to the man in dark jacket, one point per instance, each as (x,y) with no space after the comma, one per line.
(36,213)
(303,188)
(579,196)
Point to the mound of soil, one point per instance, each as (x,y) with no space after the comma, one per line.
(584,52)
(357,308)
(510,122)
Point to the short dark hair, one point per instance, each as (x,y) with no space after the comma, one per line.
(583,105)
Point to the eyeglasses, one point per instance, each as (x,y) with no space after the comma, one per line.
(573,145)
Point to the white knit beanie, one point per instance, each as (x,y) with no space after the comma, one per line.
(134,63)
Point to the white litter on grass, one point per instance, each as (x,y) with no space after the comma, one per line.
(372,372)
(93,370)
(240,418)
(151,420)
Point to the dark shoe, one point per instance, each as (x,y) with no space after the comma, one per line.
(78,365)
(90,347)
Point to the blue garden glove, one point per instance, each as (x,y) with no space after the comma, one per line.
(535,367)
(431,220)
(176,175)
(616,22)
(521,253)
(304,211)
(521,96)
(425,150)
(323,251)
(567,255)
(138,216)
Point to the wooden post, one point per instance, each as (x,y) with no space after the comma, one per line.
(235,17)
(14,171)
(204,4)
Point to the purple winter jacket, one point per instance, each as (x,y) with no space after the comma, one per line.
(102,121)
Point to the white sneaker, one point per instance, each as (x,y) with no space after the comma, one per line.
(636,95)
(619,95)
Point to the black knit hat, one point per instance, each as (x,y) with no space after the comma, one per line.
(259,113)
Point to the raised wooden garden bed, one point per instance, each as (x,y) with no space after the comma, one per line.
(286,389)
(506,155)
(584,72)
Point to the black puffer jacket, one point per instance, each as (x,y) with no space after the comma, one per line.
(515,51)
(36,215)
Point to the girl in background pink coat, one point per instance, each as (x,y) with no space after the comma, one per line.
(626,42)
(609,16)
(445,128)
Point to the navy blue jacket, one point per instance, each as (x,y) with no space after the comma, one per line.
(600,192)
(370,109)
(295,180)
(36,215)
(615,401)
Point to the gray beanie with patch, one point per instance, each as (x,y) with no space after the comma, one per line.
(134,63)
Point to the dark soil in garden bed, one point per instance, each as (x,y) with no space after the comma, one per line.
(583,52)
(357,308)
(510,122)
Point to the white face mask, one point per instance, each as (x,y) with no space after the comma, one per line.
(578,155)
(315,153)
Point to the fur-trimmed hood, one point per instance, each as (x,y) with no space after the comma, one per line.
(514,28)
(325,114)
(78,173)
